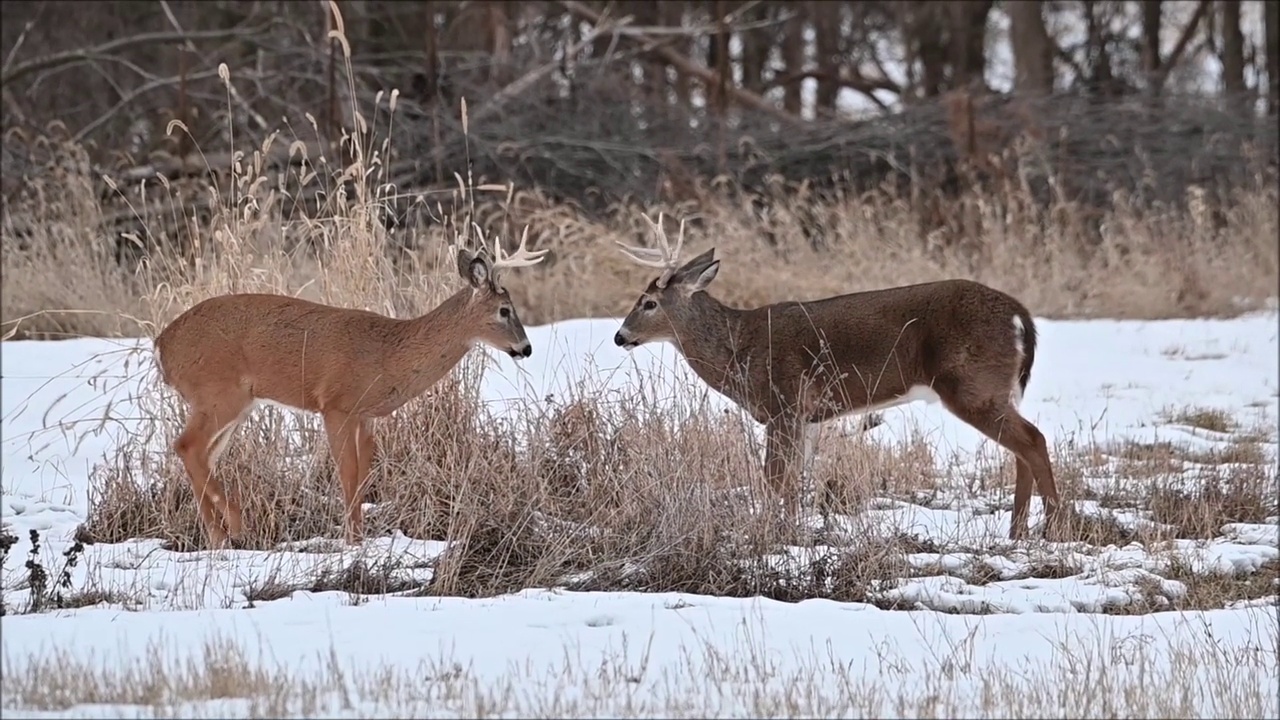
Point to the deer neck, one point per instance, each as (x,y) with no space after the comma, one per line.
(712,340)
(433,343)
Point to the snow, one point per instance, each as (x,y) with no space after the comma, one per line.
(559,652)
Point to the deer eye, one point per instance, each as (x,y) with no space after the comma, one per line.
(504,313)
(650,304)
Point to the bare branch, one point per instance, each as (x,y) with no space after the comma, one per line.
(849,77)
(134,94)
(494,104)
(708,77)
(1162,75)
(69,57)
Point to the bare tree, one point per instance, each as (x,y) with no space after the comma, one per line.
(1163,66)
(756,45)
(924,31)
(793,62)
(1099,72)
(968,41)
(826,30)
(1232,52)
(1271,21)
(1032,52)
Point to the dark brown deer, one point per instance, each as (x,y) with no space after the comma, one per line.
(793,364)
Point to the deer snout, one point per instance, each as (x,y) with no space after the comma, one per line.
(521,351)
(623,341)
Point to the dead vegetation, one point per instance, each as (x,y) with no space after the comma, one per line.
(1212,419)
(1121,676)
(590,493)
(67,275)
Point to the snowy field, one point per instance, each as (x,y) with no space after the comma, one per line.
(986,631)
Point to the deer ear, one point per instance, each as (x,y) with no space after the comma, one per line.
(704,278)
(695,266)
(478,273)
(697,273)
(464,264)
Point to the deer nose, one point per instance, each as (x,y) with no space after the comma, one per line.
(526,351)
(618,339)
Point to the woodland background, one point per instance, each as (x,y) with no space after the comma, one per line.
(1067,109)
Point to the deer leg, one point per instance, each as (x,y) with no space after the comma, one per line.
(1002,422)
(1027,442)
(344,443)
(231,505)
(205,435)
(365,449)
(1042,470)
(781,446)
(1021,498)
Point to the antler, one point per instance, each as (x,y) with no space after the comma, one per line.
(662,257)
(522,257)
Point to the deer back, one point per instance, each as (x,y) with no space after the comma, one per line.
(304,354)
(865,349)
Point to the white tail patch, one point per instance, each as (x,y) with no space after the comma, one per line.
(1019,345)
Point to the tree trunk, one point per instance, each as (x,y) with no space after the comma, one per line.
(1100,79)
(672,14)
(1271,23)
(1232,54)
(499,43)
(968,41)
(1151,21)
(724,77)
(647,13)
(929,34)
(755,51)
(793,63)
(826,30)
(430,89)
(1032,56)
(718,57)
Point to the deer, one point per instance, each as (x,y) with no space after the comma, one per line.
(795,364)
(228,354)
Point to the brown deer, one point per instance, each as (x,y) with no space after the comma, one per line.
(793,364)
(227,354)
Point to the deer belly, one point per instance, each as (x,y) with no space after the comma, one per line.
(913,393)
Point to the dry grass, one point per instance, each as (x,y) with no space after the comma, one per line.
(62,277)
(1204,418)
(1129,675)
(594,493)
(63,280)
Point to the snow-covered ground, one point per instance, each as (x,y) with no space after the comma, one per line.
(1014,644)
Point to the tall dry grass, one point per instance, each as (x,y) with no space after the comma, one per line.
(62,277)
